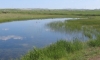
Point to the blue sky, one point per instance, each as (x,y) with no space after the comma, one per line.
(51,4)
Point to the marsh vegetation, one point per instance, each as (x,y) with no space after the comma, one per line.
(24,14)
(70,50)
(88,24)
(75,49)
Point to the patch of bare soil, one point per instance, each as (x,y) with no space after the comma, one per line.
(95,58)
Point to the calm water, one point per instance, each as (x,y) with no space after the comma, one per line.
(18,37)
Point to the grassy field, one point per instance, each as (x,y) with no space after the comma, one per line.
(22,14)
(65,50)
(13,17)
(62,50)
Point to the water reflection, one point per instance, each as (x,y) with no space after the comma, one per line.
(10,37)
(5,29)
(18,37)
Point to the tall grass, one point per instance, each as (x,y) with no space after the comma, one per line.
(94,43)
(62,50)
(54,51)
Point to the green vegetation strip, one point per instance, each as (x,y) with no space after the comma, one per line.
(7,15)
(65,50)
(18,17)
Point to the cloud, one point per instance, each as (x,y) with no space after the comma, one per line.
(10,37)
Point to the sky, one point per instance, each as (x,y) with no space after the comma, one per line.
(51,4)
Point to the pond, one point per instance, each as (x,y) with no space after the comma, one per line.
(18,37)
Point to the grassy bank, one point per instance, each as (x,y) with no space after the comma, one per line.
(22,14)
(65,50)
(19,14)
(14,17)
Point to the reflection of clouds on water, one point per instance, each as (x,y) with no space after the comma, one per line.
(48,29)
(32,36)
(25,45)
(5,29)
(10,37)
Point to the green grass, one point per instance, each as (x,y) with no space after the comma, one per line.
(53,12)
(54,51)
(19,14)
(95,42)
(13,17)
(89,27)
(64,50)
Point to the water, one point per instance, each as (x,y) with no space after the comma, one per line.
(18,37)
